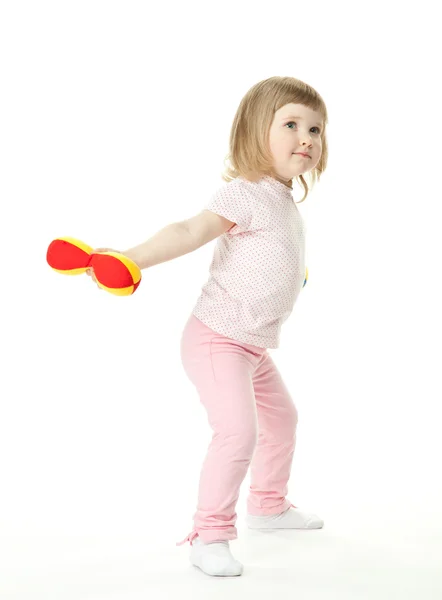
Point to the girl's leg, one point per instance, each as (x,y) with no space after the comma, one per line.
(222,370)
(273,457)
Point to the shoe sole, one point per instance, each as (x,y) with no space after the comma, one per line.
(217,574)
(225,574)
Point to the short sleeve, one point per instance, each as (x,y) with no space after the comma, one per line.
(236,203)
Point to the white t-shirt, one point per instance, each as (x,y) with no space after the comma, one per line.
(258,267)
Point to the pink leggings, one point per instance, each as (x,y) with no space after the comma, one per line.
(254,421)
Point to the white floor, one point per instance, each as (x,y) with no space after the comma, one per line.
(355,556)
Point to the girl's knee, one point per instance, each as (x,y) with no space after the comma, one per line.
(244,439)
(289,423)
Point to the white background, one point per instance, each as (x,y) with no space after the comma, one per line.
(115,119)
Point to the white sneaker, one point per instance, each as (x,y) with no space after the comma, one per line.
(292,518)
(214,558)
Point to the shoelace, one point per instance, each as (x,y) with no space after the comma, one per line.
(188,538)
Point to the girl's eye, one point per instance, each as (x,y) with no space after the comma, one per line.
(319,131)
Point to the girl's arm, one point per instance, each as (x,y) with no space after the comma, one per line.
(178,239)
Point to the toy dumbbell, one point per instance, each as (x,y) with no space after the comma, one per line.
(306,276)
(113,271)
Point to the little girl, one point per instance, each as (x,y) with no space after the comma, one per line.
(257,272)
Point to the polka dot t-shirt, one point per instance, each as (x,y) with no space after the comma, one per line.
(258,267)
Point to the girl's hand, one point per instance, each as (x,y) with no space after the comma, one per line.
(90,270)
(105,250)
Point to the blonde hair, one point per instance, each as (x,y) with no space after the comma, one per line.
(249,152)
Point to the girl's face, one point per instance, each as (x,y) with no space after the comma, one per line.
(295,128)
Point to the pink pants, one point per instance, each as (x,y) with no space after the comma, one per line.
(254,421)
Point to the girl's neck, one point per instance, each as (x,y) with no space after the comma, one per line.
(288,184)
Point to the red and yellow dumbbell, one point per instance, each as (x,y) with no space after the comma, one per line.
(113,271)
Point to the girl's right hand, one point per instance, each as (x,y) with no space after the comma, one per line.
(90,271)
